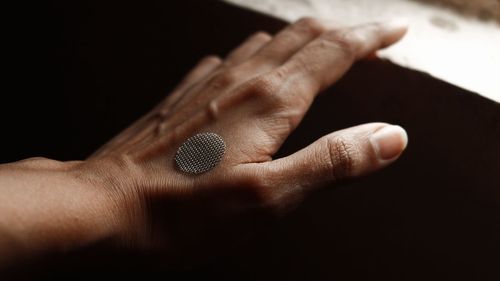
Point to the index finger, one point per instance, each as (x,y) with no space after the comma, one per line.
(323,61)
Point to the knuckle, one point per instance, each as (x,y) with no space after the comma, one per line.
(343,41)
(223,79)
(211,59)
(212,109)
(265,87)
(342,156)
(311,25)
(262,36)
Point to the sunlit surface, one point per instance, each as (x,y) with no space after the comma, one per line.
(464,51)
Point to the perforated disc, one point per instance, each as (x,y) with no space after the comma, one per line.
(200,153)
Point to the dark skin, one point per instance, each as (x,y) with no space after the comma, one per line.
(130,193)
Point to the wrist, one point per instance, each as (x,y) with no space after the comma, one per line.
(50,207)
(115,183)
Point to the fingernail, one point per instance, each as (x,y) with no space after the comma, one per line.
(389,141)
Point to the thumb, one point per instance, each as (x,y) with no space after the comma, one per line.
(343,154)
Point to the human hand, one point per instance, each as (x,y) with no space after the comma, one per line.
(254,99)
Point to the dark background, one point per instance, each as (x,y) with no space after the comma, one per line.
(78,72)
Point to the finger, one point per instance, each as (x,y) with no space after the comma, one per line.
(288,41)
(248,48)
(275,52)
(204,67)
(341,155)
(324,60)
(143,127)
(234,58)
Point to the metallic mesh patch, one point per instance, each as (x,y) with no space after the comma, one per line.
(200,153)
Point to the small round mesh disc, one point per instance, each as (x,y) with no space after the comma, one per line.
(200,153)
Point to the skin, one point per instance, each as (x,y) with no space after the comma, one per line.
(129,192)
